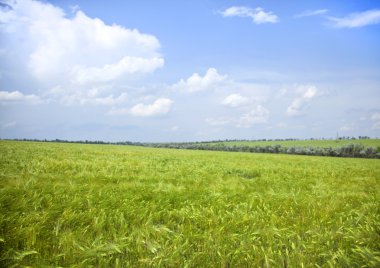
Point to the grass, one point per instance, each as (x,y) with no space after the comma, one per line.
(76,205)
(304,143)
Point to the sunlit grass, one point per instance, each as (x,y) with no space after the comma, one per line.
(119,206)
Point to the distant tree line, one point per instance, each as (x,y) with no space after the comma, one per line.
(349,150)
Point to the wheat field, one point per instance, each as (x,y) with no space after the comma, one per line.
(77,205)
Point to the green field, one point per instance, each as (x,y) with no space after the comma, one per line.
(77,205)
(304,143)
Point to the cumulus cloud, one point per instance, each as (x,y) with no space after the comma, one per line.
(258,115)
(160,106)
(356,20)
(199,83)
(258,15)
(18,97)
(109,72)
(235,100)
(309,13)
(77,49)
(253,116)
(299,104)
(102,95)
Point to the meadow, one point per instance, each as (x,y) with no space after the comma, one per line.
(80,205)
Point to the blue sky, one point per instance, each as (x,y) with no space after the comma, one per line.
(189,70)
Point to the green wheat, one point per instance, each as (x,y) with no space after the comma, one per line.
(76,205)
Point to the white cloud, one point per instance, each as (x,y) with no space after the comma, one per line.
(119,111)
(253,116)
(198,83)
(17,96)
(109,72)
(281,93)
(99,95)
(78,49)
(376,117)
(376,125)
(258,15)
(235,100)
(258,115)
(218,121)
(306,94)
(159,107)
(282,125)
(348,127)
(355,20)
(74,8)
(109,100)
(308,13)
(6,125)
